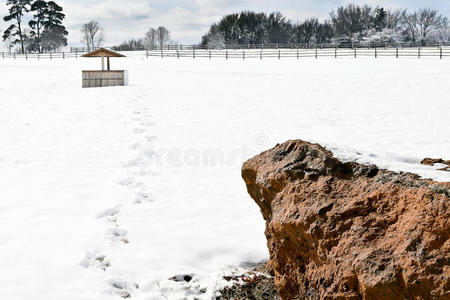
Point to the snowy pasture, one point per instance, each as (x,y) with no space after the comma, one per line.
(111,192)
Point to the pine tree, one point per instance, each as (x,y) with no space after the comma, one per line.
(40,8)
(47,21)
(379,22)
(54,15)
(17,8)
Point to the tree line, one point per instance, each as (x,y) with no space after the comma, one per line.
(45,31)
(347,25)
(154,38)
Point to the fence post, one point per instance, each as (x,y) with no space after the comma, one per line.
(50,55)
(260,54)
(396,52)
(418,53)
(316,52)
(376,55)
(279,53)
(243,55)
(14,55)
(297,53)
(193,53)
(146,53)
(26,56)
(162,53)
(355,52)
(178,54)
(440,53)
(226,54)
(209,54)
(335,52)
(76,53)
(64,56)
(38,55)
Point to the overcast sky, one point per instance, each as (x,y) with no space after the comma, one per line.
(188,20)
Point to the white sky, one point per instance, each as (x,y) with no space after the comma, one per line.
(188,20)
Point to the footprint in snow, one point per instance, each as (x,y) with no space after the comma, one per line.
(97,261)
(122,288)
(131,182)
(110,214)
(117,234)
(142,197)
(139,130)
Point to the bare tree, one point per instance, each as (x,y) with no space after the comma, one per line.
(93,35)
(419,26)
(393,19)
(162,36)
(150,38)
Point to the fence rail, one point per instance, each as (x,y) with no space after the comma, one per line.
(26,56)
(436,52)
(440,52)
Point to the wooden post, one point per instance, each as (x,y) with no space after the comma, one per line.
(418,53)
(316,52)
(298,54)
(146,53)
(260,54)
(103,63)
(376,52)
(14,55)
(64,56)
(26,56)
(354,51)
(226,54)
(243,55)
(178,54)
(396,52)
(50,55)
(193,53)
(279,54)
(209,54)
(440,53)
(107,63)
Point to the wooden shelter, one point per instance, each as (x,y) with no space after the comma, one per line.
(103,78)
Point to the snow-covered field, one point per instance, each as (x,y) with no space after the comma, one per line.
(109,192)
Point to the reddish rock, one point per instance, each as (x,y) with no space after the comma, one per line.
(432,161)
(349,231)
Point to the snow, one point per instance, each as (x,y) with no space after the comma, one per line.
(113,191)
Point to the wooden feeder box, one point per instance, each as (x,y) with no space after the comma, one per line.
(104,77)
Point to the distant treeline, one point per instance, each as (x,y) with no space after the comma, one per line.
(349,24)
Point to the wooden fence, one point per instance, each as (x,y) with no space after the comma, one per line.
(426,52)
(38,56)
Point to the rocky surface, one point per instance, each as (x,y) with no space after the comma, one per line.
(433,161)
(349,231)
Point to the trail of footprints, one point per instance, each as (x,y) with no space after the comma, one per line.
(136,169)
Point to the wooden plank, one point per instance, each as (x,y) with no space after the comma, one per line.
(103,78)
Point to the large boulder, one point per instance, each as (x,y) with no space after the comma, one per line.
(349,231)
